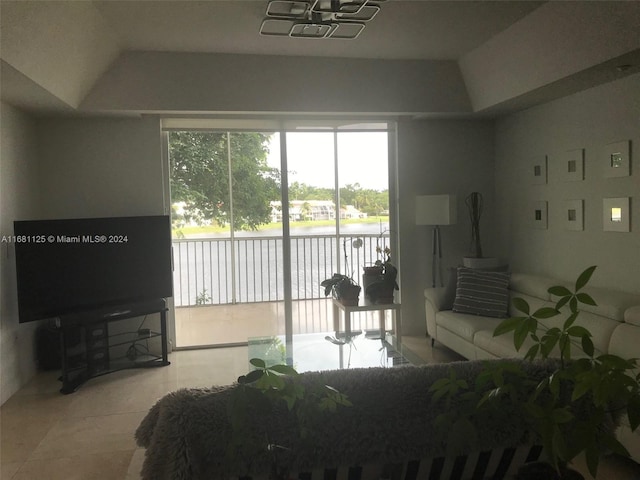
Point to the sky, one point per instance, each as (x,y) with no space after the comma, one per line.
(362,157)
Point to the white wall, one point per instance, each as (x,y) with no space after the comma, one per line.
(588,120)
(101,167)
(157,82)
(19,201)
(440,157)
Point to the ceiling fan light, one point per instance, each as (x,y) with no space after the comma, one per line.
(338,6)
(311,30)
(365,14)
(347,31)
(276,27)
(288,8)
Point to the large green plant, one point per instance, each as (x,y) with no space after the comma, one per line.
(572,410)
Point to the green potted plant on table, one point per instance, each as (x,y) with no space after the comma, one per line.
(343,288)
(381,289)
(572,411)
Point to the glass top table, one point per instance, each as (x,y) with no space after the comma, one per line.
(332,351)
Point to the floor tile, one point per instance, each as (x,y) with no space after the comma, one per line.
(89,435)
(96,466)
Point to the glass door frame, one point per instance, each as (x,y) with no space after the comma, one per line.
(282,127)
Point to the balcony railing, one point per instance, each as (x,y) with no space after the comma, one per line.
(206,274)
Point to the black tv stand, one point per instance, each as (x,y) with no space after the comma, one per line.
(104,340)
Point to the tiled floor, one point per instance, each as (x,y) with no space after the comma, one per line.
(89,434)
(208,325)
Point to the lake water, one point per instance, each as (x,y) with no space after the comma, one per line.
(204,274)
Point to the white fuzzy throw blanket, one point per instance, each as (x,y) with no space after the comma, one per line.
(186,433)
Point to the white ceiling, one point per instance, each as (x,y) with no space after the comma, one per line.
(500,55)
(403,29)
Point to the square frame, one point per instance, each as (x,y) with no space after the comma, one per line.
(573,165)
(616,159)
(538,170)
(539,215)
(574,215)
(615,214)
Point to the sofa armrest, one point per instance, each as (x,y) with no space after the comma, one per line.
(434,302)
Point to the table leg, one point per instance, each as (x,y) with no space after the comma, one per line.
(397,316)
(382,324)
(336,318)
(347,323)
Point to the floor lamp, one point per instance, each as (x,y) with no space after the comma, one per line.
(436,210)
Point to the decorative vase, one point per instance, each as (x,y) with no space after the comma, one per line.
(474,204)
(349,295)
(371,275)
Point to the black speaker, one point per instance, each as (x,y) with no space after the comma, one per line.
(48,348)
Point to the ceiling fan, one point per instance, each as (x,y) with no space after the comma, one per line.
(343,19)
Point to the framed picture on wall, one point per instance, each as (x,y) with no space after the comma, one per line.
(573,165)
(538,170)
(574,215)
(538,215)
(615,214)
(616,159)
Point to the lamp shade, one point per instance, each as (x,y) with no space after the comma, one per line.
(435,209)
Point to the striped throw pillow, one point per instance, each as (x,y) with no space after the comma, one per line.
(481,292)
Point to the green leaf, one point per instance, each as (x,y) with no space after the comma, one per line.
(587,346)
(580,389)
(251,377)
(284,369)
(562,415)
(519,336)
(592,456)
(633,411)
(578,331)
(586,299)
(559,291)
(573,304)
(545,312)
(521,305)
(569,321)
(584,277)
(548,343)
(612,443)
(257,362)
(562,302)
(533,352)
(508,325)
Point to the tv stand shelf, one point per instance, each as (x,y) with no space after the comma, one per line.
(98,342)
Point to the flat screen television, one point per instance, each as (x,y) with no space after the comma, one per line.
(74,265)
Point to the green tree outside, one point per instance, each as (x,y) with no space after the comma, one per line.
(200,177)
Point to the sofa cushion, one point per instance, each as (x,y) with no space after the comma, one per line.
(601,329)
(632,316)
(624,341)
(610,303)
(482,292)
(533,285)
(501,346)
(465,326)
(452,283)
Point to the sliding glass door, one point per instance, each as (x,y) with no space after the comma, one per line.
(261,217)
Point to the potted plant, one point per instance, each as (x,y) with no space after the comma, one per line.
(575,409)
(343,288)
(380,290)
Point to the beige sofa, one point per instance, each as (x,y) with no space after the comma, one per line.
(614,324)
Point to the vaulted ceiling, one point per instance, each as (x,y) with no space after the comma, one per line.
(495,56)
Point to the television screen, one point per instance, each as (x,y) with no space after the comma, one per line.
(68,266)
